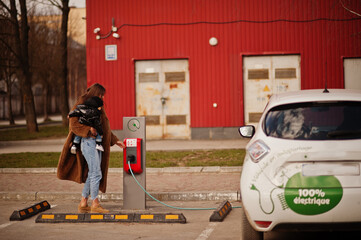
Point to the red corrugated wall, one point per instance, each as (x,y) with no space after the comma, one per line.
(216,72)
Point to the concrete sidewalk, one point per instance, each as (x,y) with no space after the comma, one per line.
(166,184)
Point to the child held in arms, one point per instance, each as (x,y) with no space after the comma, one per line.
(89,114)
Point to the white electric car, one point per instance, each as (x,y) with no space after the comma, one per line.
(302,167)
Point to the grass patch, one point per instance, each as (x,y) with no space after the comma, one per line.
(232,157)
(29,160)
(156,159)
(45,132)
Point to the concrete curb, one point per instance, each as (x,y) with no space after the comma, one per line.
(215,169)
(162,196)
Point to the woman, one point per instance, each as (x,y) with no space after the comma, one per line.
(89,165)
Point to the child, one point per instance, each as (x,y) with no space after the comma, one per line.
(89,114)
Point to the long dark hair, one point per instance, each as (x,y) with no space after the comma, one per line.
(94,90)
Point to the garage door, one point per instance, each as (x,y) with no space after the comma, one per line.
(264,76)
(162,96)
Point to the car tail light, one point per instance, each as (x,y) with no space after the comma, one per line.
(263,224)
(258,150)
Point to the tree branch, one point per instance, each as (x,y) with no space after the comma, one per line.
(4,5)
(56,4)
(9,48)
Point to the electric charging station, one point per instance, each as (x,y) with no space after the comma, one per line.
(134,171)
(134,192)
(134,131)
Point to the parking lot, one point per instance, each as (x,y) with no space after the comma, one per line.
(197,227)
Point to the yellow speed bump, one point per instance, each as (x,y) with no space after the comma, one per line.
(160,218)
(22,214)
(110,217)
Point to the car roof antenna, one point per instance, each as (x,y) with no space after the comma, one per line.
(326,90)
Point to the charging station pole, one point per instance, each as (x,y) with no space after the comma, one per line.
(133,195)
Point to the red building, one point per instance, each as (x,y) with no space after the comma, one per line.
(201,68)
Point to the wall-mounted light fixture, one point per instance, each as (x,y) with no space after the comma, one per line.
(112,32)
(213,41)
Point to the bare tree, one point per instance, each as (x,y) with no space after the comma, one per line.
(6,74)
(76,55)
(44,41)
(63,5)
(7,68)
(19,48)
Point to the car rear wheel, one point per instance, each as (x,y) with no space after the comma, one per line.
(247,231)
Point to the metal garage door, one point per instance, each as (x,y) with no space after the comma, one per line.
(264,76)
(162,96)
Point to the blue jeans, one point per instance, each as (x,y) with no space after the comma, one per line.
(77,139)
(94,158)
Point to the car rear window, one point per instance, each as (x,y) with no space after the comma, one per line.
(315,121)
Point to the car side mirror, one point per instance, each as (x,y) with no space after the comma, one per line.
(247,131)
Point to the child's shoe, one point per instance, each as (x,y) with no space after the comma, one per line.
(99,147)
(73,149)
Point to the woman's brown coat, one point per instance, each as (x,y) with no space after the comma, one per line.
(74,167)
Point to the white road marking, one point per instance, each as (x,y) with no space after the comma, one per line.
(208,231)
(5,225)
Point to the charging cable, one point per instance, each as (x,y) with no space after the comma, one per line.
(179,208)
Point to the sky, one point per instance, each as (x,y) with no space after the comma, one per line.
(77,3)
(49,9)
